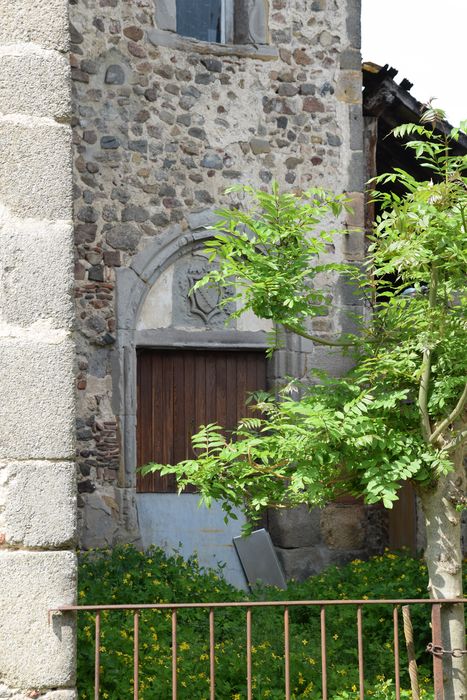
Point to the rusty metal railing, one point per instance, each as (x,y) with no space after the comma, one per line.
(435,648)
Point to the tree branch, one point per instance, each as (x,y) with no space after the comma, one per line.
(455,413)
(318,340)
(426,368)
(456,441)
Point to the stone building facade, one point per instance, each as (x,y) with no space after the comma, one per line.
(162,124)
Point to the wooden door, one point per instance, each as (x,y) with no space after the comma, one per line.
(179,390)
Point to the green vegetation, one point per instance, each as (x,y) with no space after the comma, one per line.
(126,575)
(400,413)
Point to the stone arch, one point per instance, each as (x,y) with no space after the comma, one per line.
(134,284)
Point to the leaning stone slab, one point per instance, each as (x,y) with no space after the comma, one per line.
(36,395)
(38,503)
(36,654)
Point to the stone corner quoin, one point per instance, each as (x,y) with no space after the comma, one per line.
(37,404)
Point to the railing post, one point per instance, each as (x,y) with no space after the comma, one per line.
(174,654)
(437,660)
(287,653)
(397,677)
(361,678)
(248,655)
(324,663)
(212,656)
(97,656)
(136,656)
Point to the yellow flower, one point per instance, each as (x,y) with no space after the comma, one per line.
(184,646)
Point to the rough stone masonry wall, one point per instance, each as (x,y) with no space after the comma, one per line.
(162,125)
(37,468)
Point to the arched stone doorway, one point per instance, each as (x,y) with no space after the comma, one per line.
(159,322)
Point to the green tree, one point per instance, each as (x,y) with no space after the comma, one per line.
(399,414)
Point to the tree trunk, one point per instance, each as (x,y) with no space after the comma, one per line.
(444,561)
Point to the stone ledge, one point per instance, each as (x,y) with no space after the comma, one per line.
(159,37)
(36,654)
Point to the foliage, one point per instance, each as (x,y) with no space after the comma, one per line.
(125,575)
(397,415)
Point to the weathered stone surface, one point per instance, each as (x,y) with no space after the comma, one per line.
(35,168)
(344,526)
(299,564)
(260,146)
(27,490)
(44,80)
(36,411)
(294,527)
(123,236)
(349,86)
(114,75)
(36,273)
(44,23)
(166,15)
(34,653)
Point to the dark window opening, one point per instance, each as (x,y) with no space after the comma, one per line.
(202,19)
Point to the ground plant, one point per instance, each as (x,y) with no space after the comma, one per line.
(400,414)
(126,575)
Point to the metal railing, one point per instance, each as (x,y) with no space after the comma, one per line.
(435,648)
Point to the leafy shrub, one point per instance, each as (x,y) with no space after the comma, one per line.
(125,575)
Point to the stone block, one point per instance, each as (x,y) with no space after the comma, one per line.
(350,59)
(294,527)
(36,397)
(36,279)
(34,82)
(166,15)
(99,522)
(356,172)
(44,22)
(36,654)
(353,22)
(27,490)
(356,218)
(349,86)
(343,526)
(302,562)
(356,127)
(35,168)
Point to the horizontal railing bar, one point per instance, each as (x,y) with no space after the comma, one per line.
(260,604)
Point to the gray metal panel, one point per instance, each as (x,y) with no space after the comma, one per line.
(259,559)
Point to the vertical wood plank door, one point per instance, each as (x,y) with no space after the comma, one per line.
(179,390)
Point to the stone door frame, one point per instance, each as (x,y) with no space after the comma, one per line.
(133,284)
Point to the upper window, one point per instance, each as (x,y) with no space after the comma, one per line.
(207,20)
(215,21)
